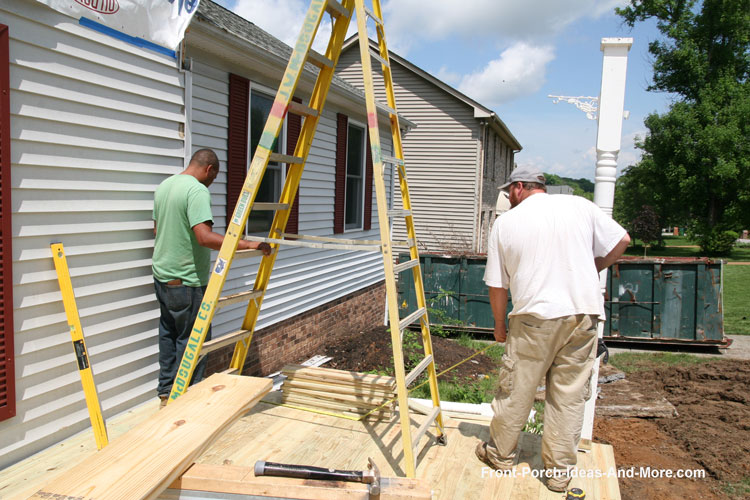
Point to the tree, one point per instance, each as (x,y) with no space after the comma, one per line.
(696,157)
(646,227)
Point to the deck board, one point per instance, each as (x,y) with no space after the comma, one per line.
(281,434)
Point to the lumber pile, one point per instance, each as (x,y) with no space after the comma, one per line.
(338,391)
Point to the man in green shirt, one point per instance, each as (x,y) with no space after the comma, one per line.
(182,259)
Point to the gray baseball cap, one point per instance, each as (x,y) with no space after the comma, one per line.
(525,174)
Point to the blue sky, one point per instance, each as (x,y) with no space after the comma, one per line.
(509,55)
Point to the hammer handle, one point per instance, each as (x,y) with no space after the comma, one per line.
(263,468)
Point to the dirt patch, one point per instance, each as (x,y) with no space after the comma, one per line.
(371,350)
(711,431)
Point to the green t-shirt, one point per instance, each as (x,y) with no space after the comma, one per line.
(180,203)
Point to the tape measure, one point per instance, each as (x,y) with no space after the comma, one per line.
(575,494)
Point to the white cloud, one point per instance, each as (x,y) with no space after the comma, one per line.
(508,19)
(518,71)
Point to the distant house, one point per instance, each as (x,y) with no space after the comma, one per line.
(457,156)
(93,125)
(562,189)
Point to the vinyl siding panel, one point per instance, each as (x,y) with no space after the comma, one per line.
(302,278)
(96,125)
(440,153)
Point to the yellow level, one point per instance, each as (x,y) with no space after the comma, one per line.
(79,346)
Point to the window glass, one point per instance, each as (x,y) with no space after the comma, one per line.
(355,167)
(270,186)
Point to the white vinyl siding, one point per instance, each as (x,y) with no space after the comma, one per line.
(302,278)
(440,154)
(96,124)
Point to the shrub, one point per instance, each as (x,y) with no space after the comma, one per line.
(718,242)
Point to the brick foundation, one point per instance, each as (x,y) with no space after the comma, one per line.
(302,336)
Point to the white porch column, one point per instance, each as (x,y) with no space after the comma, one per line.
(609,132)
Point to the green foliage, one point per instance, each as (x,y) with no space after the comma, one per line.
(495,352)
(581,187)
(441,321)
(460,391)
(740,489)
(696,161)
(537,426)
(717,242)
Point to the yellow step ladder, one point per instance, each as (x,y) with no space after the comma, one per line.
(283,103)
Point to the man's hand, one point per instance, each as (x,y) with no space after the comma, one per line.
(500,332)
(265,248)
(255,245)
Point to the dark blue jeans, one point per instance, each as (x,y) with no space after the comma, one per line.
(179,306)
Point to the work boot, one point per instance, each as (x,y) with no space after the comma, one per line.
(556,480)
(163,398)
(486,456)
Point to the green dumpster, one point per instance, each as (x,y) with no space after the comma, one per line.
(664,300)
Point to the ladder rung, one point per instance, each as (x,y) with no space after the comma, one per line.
(411,318)
(238,297)
(328,239)
(319,60)
(302,109)
(392,160)
(336,9)
(423,429)
(385,108)
(403,266)
(231,338)
(379,58)
(270,206)
(372,16)
(278,157)
(399,212)
(417,371)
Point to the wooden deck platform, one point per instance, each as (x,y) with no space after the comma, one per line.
(281,434)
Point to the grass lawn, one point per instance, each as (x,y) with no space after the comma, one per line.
(681,246)
(631,362)
(737,300)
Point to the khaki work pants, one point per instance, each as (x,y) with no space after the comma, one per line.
(563,349)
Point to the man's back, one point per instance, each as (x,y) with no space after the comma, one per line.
(546,246)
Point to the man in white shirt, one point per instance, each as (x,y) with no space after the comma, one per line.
(548,251)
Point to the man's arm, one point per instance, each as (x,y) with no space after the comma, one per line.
(207,238)
(499,304)
(613,255)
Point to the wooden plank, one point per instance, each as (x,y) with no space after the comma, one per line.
(354,398)
(143,462)
(238,480)
(339,375)
(341,407)
(309,384)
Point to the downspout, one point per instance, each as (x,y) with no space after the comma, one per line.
(185,67)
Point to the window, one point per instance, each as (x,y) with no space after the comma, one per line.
(355,170)
(248,111)
(353,187)
(270,187)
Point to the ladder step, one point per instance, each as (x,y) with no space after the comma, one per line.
(398,212)
(403,266)
(392,160)
(372,16)
(270,206)
(336,9)
(301,109)
(238,297)
(423,429)
(379,58)
(411,318)
(417,371)
(319,60)
(231,338)
(278,157)
(244,254)
(385,107)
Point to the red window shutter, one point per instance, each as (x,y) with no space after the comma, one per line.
(368,186)
(293,129)
(7,367)
(342,125)
(239,104)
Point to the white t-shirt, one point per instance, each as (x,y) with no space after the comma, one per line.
(543,251)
